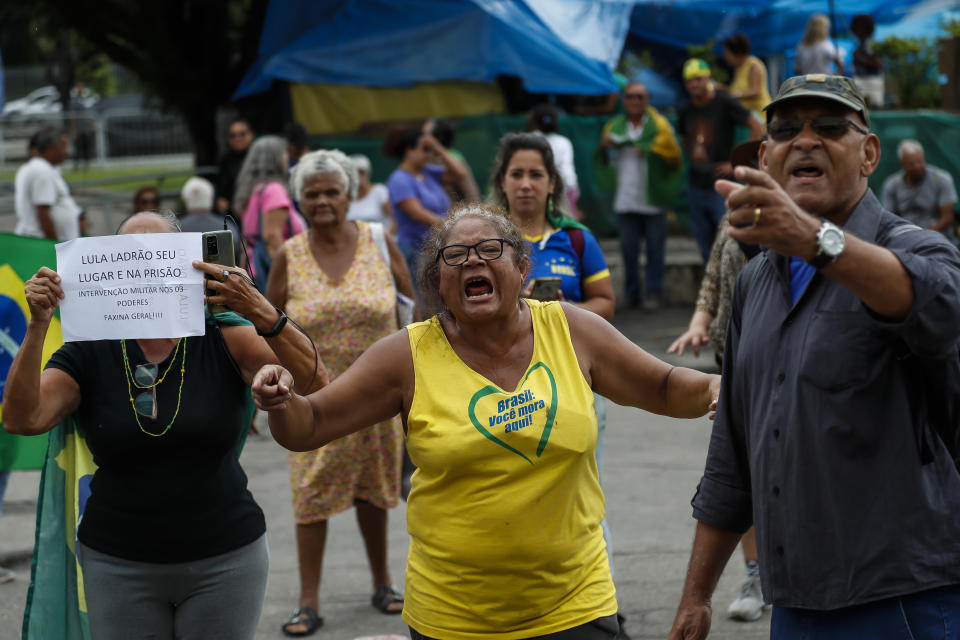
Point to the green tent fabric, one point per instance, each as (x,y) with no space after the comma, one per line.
(56,604)
(477,139)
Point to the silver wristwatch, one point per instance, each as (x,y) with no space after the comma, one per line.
(830,244)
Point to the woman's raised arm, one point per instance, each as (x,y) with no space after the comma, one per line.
(628,375)
(26,384)
(377,386)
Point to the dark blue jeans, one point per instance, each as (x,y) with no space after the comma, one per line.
(928,615)
(635,227)
(706,209)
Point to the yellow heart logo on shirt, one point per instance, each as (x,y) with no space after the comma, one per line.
(513,416)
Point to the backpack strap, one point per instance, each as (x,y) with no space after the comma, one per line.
(577,242)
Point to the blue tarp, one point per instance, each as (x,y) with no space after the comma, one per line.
(773,27)
(390,43)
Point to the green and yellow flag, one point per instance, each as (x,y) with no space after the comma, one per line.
(20,258)
(660,147)
(56,603)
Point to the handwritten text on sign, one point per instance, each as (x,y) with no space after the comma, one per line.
(131,286)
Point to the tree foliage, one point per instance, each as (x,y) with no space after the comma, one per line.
(910,68)
(191,54)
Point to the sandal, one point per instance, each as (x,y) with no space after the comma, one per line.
(386,596)
(308,617)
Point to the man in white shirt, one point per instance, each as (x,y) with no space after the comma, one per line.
(43,204)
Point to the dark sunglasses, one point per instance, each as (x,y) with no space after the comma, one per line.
(456,254)
(635,96)
(830,127)
(148,201)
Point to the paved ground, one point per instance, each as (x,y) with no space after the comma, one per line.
(651,468)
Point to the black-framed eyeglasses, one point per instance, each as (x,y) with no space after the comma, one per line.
(456,254)
(830,127)
(145,375)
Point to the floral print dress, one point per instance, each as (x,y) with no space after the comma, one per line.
(343,319)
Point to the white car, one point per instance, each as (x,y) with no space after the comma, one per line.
(42,101)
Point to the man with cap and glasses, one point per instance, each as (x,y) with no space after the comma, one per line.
(707,126)
(820,439)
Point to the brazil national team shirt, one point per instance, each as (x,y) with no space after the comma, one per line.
(552,256)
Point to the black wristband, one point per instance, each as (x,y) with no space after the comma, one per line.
(276,328)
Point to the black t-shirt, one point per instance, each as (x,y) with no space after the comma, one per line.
(177,497)
(712,127)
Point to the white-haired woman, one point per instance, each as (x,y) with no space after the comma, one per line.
(334,282)
(372,203)
(269,216)
(816,53)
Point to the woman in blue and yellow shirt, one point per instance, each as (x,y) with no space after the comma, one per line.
(527,184)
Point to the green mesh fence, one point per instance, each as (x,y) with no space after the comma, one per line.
(477,139)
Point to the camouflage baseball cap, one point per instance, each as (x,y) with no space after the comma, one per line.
(818,85)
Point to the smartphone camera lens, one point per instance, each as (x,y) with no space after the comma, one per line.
(212,245)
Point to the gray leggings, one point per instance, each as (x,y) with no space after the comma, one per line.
(212,598)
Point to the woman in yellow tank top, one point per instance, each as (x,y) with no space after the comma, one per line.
(749,84)
(496,393)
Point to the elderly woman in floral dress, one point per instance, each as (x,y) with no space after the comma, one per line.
(334,281)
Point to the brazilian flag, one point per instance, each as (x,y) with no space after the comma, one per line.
(55,604)
(20,258)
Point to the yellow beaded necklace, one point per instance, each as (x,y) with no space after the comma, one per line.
(132,382)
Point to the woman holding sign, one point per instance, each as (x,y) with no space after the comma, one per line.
(171,542)
(496,394)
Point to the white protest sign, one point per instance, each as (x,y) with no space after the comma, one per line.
(138,285)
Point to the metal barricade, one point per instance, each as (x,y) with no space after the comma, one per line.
(97,137)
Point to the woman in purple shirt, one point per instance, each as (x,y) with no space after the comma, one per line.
(417,196)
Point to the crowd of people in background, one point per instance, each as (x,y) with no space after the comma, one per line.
(331,249)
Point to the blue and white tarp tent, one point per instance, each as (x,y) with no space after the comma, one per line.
(773,27)
(414,54)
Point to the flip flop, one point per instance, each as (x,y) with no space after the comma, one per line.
(308,617)
(384,597)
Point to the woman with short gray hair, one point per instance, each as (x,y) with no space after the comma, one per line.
(337,280)
(373,200)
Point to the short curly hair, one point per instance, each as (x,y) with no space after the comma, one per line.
(428,271)
(324,162)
